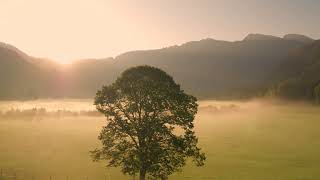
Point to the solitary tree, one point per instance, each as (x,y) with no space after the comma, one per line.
(150,124)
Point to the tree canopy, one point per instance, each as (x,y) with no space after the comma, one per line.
(150,124)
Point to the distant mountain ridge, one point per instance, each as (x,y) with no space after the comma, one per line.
(299,38)
(260,37)
(207,68)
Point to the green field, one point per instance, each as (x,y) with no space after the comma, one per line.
(258,141)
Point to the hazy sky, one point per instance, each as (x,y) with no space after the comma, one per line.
(66,30)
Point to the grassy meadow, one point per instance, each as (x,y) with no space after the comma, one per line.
(253,140)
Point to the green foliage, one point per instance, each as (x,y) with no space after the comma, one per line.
(150,124)
(300,87)
(292,89)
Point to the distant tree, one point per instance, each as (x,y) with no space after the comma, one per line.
(150,124)
(317,94)
(295,88)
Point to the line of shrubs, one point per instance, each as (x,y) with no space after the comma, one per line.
(43,112)
(220,109)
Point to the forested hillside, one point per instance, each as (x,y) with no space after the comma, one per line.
(303,80)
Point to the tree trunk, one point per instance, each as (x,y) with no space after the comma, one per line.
(142,174)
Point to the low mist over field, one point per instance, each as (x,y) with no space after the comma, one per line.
(255,139)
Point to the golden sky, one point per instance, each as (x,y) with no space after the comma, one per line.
(65,30)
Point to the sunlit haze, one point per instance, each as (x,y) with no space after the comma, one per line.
(65,30)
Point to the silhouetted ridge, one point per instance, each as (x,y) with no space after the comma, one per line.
(251,37)
(299,38)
